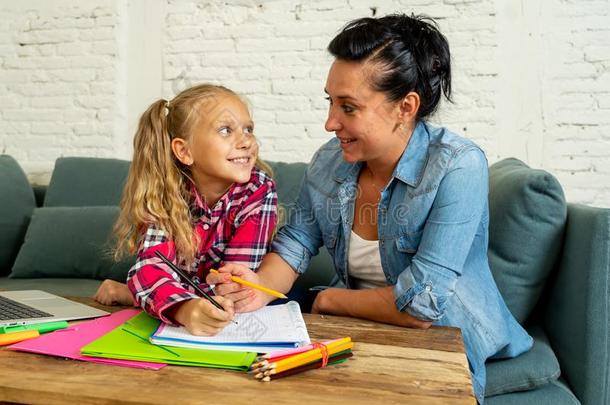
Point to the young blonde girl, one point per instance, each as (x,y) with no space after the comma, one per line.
(198,193)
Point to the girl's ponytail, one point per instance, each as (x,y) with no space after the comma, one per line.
(155,191)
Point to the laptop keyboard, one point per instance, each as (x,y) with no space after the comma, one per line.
(10,309)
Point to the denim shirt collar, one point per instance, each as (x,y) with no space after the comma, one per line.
(411,164)
(410,167)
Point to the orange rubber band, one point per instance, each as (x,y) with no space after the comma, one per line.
(323,350)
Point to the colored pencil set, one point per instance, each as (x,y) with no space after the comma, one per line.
(288,362)
(18,333)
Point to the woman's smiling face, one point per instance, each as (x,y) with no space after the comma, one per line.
(363,120)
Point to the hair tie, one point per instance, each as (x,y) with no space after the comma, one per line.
(166,108)
(436,64)
(323,350)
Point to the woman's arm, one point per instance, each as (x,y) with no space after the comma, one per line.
(375,304)
(426,286)
(292,249)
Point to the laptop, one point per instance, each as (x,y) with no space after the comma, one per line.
(34,306)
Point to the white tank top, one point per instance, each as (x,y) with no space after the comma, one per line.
(364,263)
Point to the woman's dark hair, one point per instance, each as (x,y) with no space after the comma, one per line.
(410,51)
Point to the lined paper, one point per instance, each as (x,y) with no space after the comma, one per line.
(275,325)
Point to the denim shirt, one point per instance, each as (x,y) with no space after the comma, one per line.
(433,220)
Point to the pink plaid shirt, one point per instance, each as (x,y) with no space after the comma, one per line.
(237,229)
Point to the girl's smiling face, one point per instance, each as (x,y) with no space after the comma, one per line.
(222,149)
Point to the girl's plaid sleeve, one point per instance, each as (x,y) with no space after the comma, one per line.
(152,283)
(254,226)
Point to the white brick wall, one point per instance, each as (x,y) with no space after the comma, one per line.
(531,79)
(58,81)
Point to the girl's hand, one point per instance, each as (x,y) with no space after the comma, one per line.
(245,299)
(112,292)
(201,317)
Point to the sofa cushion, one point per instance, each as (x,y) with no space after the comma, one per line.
(527,217)
(288,178)
(532,369)
(86,181)
(70,242)
(67,287)
(16,205)
(553,393)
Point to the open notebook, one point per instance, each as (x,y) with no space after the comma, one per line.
(266,330)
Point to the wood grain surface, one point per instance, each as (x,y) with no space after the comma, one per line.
(390,365)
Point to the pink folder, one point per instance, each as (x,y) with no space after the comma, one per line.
(68,342)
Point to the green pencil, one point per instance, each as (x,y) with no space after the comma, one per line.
(40,327)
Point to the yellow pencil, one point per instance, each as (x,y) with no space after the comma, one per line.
(252,285)
(14,337)
(281,368)
(314,354)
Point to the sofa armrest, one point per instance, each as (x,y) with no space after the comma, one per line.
(577,314)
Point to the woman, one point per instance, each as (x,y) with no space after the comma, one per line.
(400,205)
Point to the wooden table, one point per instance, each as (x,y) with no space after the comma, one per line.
(390,365)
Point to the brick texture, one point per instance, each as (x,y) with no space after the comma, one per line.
(530,79)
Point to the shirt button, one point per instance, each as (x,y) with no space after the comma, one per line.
(428,287)
(206,226)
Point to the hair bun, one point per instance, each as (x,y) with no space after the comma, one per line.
(414,56)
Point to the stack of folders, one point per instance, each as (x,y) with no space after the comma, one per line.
(289,362)
(267,330)
(130,341)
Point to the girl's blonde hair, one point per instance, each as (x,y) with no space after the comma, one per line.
(157,190)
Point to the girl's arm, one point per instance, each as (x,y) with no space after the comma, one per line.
(112,292)
(160,295)
(150,281)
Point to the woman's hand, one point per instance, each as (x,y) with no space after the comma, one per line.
(112,292)
(200,317)
(245,299)
(376,304)
(321,304)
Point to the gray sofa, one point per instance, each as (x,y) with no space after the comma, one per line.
(550,260)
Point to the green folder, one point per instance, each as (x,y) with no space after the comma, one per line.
(129,341)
